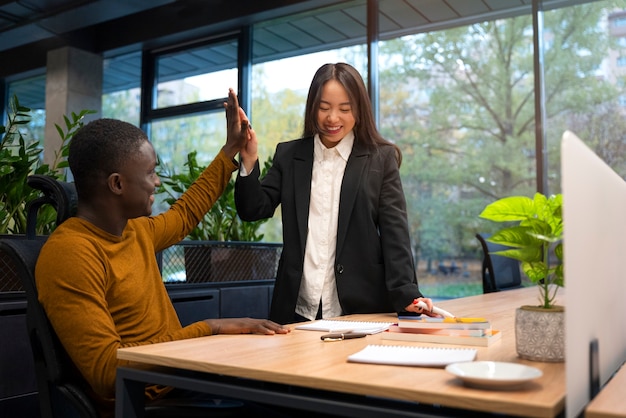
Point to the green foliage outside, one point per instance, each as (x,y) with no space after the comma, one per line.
(460,104)
(21,156)
(451,290)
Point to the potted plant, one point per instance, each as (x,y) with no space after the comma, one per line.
(222,247)
(535,239)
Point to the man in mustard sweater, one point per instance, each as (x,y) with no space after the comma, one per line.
(97,275)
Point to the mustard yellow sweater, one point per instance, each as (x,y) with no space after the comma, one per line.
(102,292)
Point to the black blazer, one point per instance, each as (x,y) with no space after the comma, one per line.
(374,266)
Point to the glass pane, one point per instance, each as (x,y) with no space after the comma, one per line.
(584,81)
(196,75)
(31,93)
(280,80)
(121,92)
(280,88)
(464,122)
(174,139)
(123,105)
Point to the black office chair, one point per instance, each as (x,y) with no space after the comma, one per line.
(498,272)
(60,393)
(58,382)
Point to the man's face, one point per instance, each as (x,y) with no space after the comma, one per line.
(139,182)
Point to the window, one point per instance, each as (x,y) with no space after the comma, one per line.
(619,22)
(280,88)
(462,114)
(461,110)
(185,114)
(196,75)
(460,104)
(283,68)
(581,95)
(187,108)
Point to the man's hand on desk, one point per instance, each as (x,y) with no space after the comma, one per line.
(245,326)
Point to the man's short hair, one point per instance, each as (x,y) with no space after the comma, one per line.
(100,148)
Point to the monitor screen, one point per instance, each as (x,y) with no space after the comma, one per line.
(594,248)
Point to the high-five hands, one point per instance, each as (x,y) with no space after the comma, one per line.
(237,126)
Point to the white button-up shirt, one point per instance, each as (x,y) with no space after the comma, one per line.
(318,281)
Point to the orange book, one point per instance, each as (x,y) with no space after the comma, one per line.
(427,322)
(442,331)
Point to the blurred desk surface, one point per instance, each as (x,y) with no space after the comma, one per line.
(611,401)
(300,360)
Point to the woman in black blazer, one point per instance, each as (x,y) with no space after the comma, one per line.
(346,246)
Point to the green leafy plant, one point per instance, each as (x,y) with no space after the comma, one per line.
(221,223)
(536,239)
(20,157)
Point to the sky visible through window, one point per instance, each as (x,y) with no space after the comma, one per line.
(294,73)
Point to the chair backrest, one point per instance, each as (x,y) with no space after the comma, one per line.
(58,383)
(60,386)
(498,272)
(59,194)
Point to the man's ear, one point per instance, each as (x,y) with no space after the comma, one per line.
(114,182)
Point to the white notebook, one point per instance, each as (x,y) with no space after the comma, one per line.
(329,325)
(412,356)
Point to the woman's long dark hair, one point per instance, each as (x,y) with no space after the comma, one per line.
(365,130)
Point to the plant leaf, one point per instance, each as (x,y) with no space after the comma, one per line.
(513,208)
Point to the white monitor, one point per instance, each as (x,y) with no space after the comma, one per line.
(594,245)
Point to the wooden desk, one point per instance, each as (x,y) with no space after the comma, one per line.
(320,378)
(610,402)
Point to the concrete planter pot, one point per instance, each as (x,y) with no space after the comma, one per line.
(540,333)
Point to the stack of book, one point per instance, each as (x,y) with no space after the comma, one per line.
(461,331)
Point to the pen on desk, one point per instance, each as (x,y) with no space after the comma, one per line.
(342,336)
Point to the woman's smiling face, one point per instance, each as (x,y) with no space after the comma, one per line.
(334,115)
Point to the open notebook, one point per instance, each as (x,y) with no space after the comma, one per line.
(403,355)
(329,325)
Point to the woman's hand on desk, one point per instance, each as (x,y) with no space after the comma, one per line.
(245,326)
(417,307)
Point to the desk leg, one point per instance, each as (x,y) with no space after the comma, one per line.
(129,395)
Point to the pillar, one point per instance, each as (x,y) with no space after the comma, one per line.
(73,84)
